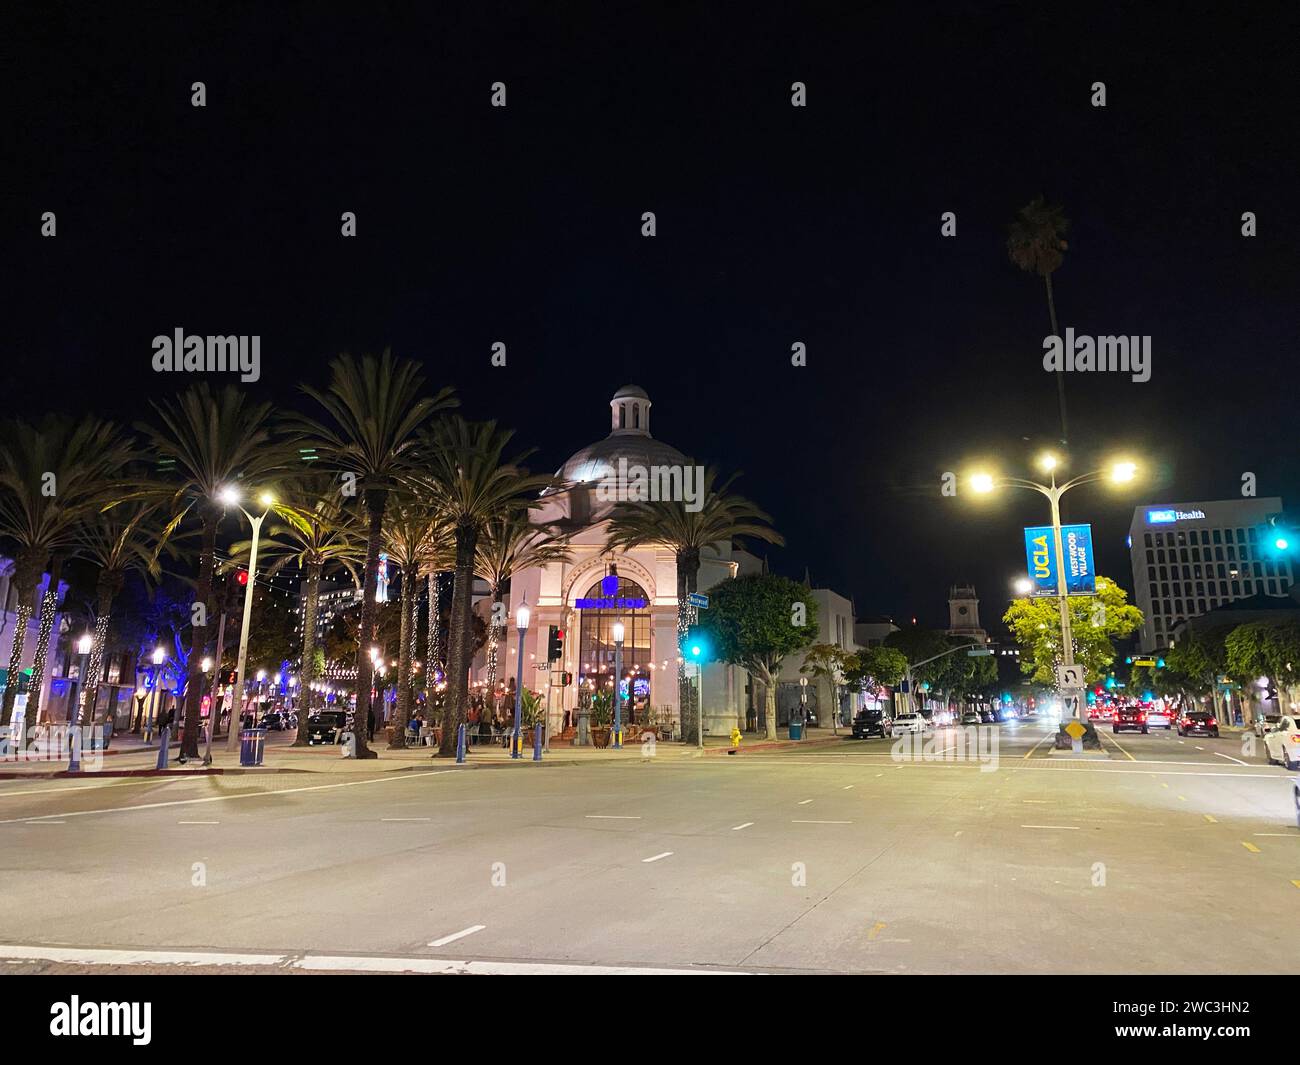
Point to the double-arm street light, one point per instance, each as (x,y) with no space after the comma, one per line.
(1118,473)
(230,497)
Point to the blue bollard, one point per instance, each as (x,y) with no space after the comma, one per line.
(164,745)
(460,744)
(537,744)
(74,742)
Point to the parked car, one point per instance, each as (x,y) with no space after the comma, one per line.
(1200,722)
(1282,744)
(972,717)
(326,727)
(870,723)
(274,721)
(1129,717)
(912,722)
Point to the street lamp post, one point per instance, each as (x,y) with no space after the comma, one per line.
(159,656)
(74,739)
(803,705)
(521,627)
(1120,472)
(618,632)
(230,496)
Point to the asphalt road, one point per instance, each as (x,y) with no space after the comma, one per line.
(1164,855)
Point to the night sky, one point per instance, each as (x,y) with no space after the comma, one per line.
(775,224)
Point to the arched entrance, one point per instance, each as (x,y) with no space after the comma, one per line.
(598,611)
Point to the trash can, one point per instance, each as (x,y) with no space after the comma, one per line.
(796,730)
(251,741)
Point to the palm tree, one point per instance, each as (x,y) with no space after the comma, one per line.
(314,531)
(506,545)
(412,533)
(215,440)
(123,538)
(375,409)
(1036,243)
(53,476)
(722,517)
(472,486)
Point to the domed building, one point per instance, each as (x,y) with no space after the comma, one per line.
(597,589)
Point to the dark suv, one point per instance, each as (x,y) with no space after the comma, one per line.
(326,727)
(870,723)
(1129,717)
(1198,721)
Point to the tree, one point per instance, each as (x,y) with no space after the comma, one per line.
(875,668)
(124,538)
(507,545)
(751,623)
(472,485)
(374,411)
(215,440)
(1094,620)
(1036,243)
(722,517)
(314,531)
(828,662)
(54,476)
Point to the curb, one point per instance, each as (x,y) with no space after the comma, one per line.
(86,773)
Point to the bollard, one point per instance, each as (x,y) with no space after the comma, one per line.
(537,744)
(460,744)
(74,763)
(164,743)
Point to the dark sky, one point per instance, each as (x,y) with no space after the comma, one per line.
(775,225)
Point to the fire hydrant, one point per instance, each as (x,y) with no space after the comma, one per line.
(735,740)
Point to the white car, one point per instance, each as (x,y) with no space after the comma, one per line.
(1282,743)
(908,723)
(1159,718)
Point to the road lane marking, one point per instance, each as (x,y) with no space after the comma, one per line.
(1038,801)
(1035,747)
(1283,835)
(1296,883)
(1230,758)
(1250,847)
(390,778)
(404,819)
(821,822)
(96,787)
(876,929)
(1067,828)
(1163,784)
(611,817)
(198,822)
(1182,798)
(737,828)
(1212,819)
(958,833)
(846,787)
(805,802)
(1200,748)
(458,935)
(656,857)
(47,821)
(1117,744)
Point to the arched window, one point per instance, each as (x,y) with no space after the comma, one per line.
(596,649)
(622,415)
(636,415)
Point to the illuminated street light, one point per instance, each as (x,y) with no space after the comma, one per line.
(618,632)
(521,626)
(230,496)
(85,644)
(981,483)
(1048,462)
(1024,586)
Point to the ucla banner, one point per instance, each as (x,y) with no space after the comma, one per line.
(1040,559)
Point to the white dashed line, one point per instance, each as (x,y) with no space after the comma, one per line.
(198,822)
(737,828)
(821,822)
(404,819)
(458,935)
(611,817)
(1067,828)
(1230,758)
(656,857)
(804,802)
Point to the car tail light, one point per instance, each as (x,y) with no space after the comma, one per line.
(1142,717)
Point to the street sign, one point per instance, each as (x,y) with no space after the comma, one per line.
(698,600)
(1075,730)
(1149,662)
(1040,558)
(978,652)
(1070,676)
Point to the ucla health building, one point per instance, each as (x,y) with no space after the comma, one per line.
(1189,558)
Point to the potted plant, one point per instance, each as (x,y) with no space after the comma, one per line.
(602,713)
(532,712)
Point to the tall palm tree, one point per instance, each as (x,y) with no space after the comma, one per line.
(314,531)
(215,440)
(506,545)
(54,476)
(412,535)
(722,517)
(374,410)
(124,538)
(1036,243)
(472,485)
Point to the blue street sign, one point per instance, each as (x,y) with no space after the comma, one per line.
(698,600)
(1040,558)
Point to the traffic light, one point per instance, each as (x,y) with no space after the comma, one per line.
(554,644)
(242,576)
(566,679)
(697,647)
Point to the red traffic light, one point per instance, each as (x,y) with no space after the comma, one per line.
(559,635)
(242,576)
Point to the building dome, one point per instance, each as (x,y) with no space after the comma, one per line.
(629,438)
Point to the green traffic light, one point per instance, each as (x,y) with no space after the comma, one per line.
(695,650)
(1282,543)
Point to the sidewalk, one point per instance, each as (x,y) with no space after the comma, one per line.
(130,756)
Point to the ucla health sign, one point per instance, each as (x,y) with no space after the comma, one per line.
(1040,559)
